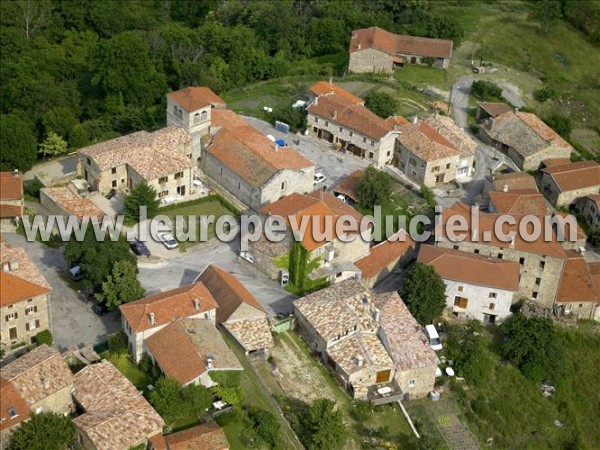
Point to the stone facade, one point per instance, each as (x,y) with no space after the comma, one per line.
(197,123)
(23,320)
(591,212)
(429,173)
(371,60)
(417,382)
(540,274)
(565,198)
(533,162)
(483,303)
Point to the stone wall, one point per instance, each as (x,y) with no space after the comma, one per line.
(425,172)
(591,214)
(559,199)
(370,60)
(60,402)
(533,162)
(314,341)
(197,123)
(417,383)
(479,300)
(584,310)
(40,313)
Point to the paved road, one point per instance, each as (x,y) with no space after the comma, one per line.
(73,321)
(184,268)
(334,165)
(57,168)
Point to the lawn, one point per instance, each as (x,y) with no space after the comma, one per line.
(127,367)
(203,207)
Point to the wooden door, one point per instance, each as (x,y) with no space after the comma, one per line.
(383,376)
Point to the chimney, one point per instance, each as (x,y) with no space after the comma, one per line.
(16,172)
(331,82)
(209,362)
(6,266)
(512,242)
(197,304)
(13,265)
(151,319)
(505,188)
(516,110)
(359,361)
(376,315)
(276,147)
(359,46)
(437,113)
(415,119)
(335,114)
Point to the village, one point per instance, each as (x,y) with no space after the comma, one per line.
(171,344)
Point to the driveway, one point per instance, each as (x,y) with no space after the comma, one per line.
(334,165)
(73,322)
(57,168)
(184,269)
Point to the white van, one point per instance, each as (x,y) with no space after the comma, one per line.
(434,337)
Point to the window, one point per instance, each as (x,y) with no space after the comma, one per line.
(365,140)
(31,310)
(114,183)
(316,119)
(493,295)
(448,166)
(534,294)
(460,288)
(326,123)
(388,153)
(455,247)
(492,306)
(89,161)
(521,261)
(283,186)
(411,383)
(372,143)
(538,281)
(197,118)
(542,265)
(371,154)
(339,274)
(461,302)
(11,316)
(162,194)
(113,170)
(500,256)
(341,130)
(351,134)
(32,325)
(476,251)
(412,162)
(435,168)
(439,178)
(178,175)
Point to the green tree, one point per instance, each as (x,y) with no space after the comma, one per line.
(561,124)
(530,344)
(266,426)
(424,293)
(382,104)
(468,348)
(44,337)
(324,426)
(43,431)
(486,90)
(374,187)
(97,258)
(53,145)
(547,13)
(121,286)
(17,143)
(173,401)
(141,195)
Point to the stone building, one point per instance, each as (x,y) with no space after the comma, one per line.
(342,119)
(24,296)
(12,205)
(207,436)
(525,138)
(513,182)
(238,311)
(517,202)
(487,110)
(375,50)
(43,380)
(428,158)
(64,201)
(146,316)
(248,165)
(191,109)
(14,411)
(477,287)
(541,261)
(578,291)
(336,256)
(162,159)
(564,184)
(116,416)
(591,210)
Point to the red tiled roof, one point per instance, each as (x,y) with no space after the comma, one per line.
(11,400)
(22,282)
(494,109)
(572,176)
(426,143)
(11,186)
(167,306)
(594,268)
(393,44)
(552,162)
(227,291)
(349,114)
(349,185)
(576,281)
(519,202)
(397,121)
(325,87)
(382,255)
(194,98)
(10,211)
(580,233)
(471,268)
(73,203)
(208,436)
(518,181)
(176,354)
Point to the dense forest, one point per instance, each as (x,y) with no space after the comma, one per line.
(74,72)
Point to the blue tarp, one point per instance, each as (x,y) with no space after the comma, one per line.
(280,142)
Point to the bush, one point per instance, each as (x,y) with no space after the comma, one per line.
(234,415)
(561,124)
(382,104)
(427,194)
(117,343)
(484,90)
(360,410)
(266,426)
(44,337)
(32,188)
(544,94)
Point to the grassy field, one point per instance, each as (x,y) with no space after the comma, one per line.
(126,366)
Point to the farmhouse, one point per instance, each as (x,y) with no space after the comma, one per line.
(564,184)
(64,201)
(11,200)
(477,287)
(24,296)
(578,290)
(340,118)
(525,138)
(379,51)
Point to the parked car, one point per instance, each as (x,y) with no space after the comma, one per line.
(168,240)
(319,178)
(111,194)
(100,308)
(434,338)
(75,273)
(139,248)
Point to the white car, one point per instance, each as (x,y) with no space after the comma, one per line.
(168,240)
(319,178)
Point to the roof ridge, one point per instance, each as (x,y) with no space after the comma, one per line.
(35,365)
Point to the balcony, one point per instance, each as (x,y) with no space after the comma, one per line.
(380,394)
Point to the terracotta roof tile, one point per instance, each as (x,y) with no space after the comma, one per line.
(349,185)
(168,306)
(11,186)
(194,98)
(151,155)
(551,162)
(252,334)
(117,416)
(383,254)
(208,436)
(13,409)
(11,211)
(365,345)
(446,127)
(572,176)
(19,283)
(426,143)
(227,291)
(517,181)
(494,109)
(576,281)
(324,87)
(397,121)
(519,202)
(38,374)
(340,110)
(393,44)
(471,268)
(404,336)
(594,268)
(73,203)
